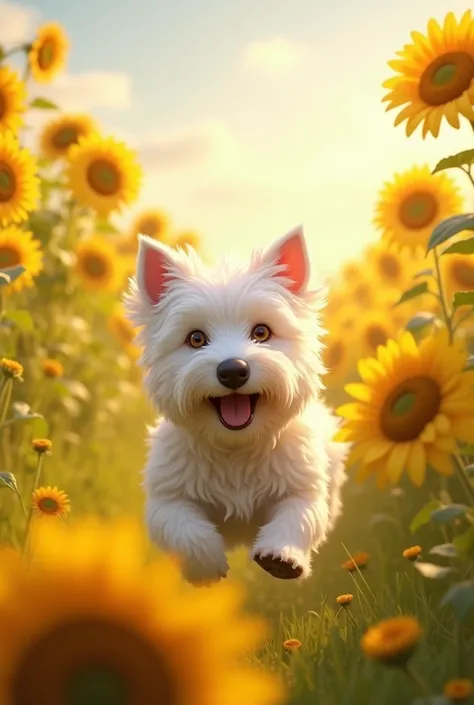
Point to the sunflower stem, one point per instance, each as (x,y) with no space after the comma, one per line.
(464,478)
(39,467)
(442,299)
(417,680)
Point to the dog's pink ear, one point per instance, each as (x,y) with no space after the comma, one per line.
(290,252)
(153,268)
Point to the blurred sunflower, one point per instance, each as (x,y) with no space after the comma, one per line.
(154,223)
(336,358)
(435,76)
(48,52)
(457,273)
(393,268)
(412,204)
(363,292)
(374,329)
(12,100)
(458,690)
(84,619)
(49,501)
(103,173)
(187,238)
(124,332)
(59,134)
(343,321)
(413,405)
(20,247)
(97,264)
(19,185)
(350,271)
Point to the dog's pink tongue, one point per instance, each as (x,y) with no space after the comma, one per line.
(235,409)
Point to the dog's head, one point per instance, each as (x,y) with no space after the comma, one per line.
(232,353)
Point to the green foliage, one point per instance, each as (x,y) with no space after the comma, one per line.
(462,247)
(464,158)
(462,298)
(412,293)
(43,104)
(448,228)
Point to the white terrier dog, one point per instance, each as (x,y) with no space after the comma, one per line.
(243,453)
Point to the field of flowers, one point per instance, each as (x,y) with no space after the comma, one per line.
(89,613)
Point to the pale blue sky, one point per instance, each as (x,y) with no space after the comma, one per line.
(241,146)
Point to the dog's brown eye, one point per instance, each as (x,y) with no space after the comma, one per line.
(196,339)
(261,333)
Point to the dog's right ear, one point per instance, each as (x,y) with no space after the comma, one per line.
(154,268)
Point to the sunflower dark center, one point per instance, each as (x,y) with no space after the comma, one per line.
(48,505)
(334,354)
(418,210)
(95,266)
(463,273)
(95,663)
(7,182)
(3,105)
(9,257)
(103,177)
(150,227)
(65,137)
(390,267)
(376,335)
(446,78)
(46,54)
(411,405)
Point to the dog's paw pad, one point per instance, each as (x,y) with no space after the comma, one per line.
(279,568)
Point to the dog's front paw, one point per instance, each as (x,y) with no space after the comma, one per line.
(285,563)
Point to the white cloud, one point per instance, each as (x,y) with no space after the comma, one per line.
(17,23)
(274,56)
(86,91)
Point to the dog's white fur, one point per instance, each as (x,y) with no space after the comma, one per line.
(274,485)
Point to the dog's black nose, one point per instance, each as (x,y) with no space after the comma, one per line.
(233,373)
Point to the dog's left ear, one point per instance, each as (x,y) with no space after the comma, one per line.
(290,252)
(155,267)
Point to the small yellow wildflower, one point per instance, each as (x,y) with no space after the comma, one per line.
(52,368)
(344,600)
(392,641)
(357,562)
(11,368)
(42,445)
(459,689)
(291,645)
(412,553)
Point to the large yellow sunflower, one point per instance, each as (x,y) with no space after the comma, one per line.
(412,204)
(20,247)
(59,134)
(12,100)
(48,52)
(117,631)
(103,173)
(19,184)
(97,264)
(413,405)
(435,76)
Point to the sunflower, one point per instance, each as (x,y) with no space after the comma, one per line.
(412,204)
(457,273)
(363,291)
(413,405)
(154,223)
(20,247)
(350,271)
(11,368)
(344,600)
(49,501)
(392,641)
(185,239)
(103,174)
(48,52)
(87,582)
(337,358)
(435,76)
(343,320)
(393,268)
(97,265)
(375,328)
(124,332)
(12,100)
(60,134)
(19,185)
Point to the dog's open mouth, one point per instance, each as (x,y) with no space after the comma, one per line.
(235,411)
